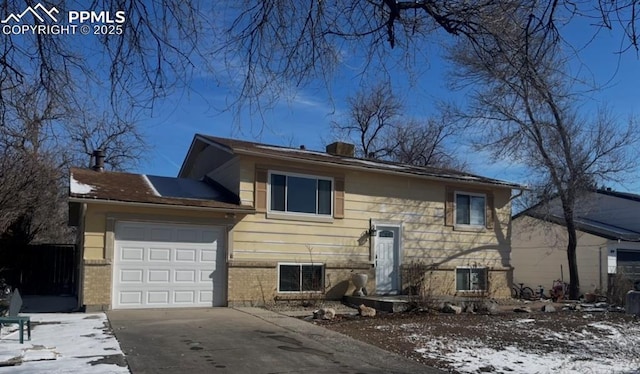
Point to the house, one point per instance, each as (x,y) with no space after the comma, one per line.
(247,224)
(608,225)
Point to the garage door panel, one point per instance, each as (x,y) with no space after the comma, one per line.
(130,298)
(185,297)
(132,254)
(131,276)
(178,272)
(205,275)
(158,275)
(186,255)
(185,276)
(205,296)
(157,298)
(208,255)
(160,254)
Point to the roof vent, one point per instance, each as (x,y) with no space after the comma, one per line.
(302,147)
(98,158)
(341,149)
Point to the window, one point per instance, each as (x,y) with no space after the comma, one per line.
(470,209)
(471,279)
(300,278)
(301,194)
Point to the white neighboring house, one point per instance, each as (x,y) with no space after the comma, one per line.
(608,241)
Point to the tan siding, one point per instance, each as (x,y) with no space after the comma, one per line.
(539,250)
(418,204)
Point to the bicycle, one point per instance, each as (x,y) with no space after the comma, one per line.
(522,292)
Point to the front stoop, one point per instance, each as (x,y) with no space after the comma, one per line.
(389,304)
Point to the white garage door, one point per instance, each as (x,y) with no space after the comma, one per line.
(168,266)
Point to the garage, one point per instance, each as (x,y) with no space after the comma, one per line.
(162,265)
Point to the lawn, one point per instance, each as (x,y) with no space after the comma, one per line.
(506,342)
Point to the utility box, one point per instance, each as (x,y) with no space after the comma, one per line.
(633,303)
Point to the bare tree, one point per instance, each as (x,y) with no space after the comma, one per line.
(376,123)
(39,140)
(425,143)
(373,113)
(527,107)
(276,44)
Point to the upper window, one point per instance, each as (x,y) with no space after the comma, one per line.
(470,209)
(301,194)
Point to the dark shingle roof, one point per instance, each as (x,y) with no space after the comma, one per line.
(273,151)
(140,188)
(609,214)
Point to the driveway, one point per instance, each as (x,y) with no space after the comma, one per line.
(243,340)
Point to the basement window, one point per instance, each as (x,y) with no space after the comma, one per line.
(471,279)
(300,278)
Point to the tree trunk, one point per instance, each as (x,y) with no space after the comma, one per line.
(574,281)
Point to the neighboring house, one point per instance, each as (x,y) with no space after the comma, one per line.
(248,223)
(608,241)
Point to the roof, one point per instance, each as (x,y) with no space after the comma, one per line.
(303,155)
(609,214)
(88,184)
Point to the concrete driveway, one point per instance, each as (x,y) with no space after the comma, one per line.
(243,340)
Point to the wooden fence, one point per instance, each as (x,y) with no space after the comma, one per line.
(45,269)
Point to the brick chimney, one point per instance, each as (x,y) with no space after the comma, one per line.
(98,159)
(341,149)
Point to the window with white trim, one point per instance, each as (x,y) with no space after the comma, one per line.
(470,209)
(471,279)
(300,278)
(296,193)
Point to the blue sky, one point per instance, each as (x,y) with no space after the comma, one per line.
(306,117)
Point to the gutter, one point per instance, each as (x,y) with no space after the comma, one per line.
(382,171)
(86,200)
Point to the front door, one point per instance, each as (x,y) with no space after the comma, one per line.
(387,260)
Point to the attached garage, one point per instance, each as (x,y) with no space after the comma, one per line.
(162,265)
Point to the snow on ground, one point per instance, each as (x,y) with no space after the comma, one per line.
(614,349)
(62,343)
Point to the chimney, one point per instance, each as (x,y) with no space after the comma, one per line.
(341,149)
(98,158)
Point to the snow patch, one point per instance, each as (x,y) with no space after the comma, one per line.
(61,343)
(79,188)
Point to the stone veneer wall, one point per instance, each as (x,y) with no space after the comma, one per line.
(252,284)
(97,285)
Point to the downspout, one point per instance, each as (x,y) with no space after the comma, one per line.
(600,254)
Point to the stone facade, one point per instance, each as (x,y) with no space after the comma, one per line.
(252,284)
(96,288)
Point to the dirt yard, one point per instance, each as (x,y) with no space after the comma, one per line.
(585,341)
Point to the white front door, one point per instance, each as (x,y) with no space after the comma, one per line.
(162,265)
(387,260)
